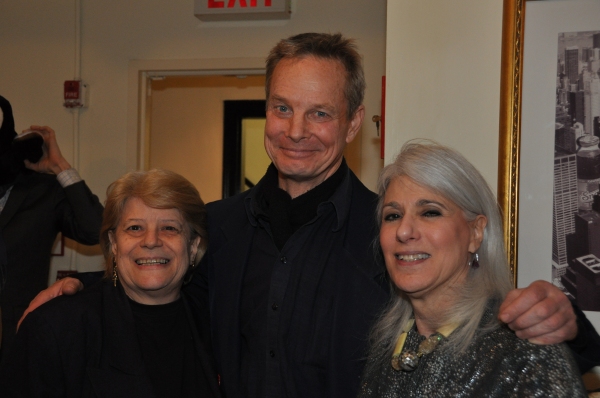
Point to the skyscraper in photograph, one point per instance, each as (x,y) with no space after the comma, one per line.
(595,63)
(559,138)
(585,79)
(575,132)
(596,40)
(576,108)
(581,278)
(587,274)
(564,137)
(572,63)
(586,54)
(587,226)
(560,69)
(564,207)
(594,101)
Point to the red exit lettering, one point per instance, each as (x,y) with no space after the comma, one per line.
(216,4)
(231,3)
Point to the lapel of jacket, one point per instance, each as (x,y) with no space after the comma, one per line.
(229,264)
(17,194)
(121,372)
(202,345)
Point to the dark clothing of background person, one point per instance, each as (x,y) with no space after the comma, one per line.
(37,209)
(89,345)
(34,208)
(324,291)
(585,348)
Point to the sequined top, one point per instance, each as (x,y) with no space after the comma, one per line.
(496,364)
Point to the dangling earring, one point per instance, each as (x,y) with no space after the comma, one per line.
(474,261)
(190,274)
(115,277)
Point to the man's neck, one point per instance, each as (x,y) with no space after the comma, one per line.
(295,188)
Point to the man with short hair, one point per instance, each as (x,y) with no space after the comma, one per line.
(290,271)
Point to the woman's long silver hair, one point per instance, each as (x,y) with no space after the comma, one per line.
(447,173)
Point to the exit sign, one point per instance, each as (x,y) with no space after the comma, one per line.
(239,10)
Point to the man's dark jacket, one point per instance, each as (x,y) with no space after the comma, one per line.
(340,328)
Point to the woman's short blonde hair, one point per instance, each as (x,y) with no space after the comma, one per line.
(159,189)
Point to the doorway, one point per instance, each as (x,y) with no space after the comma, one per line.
(244,158)
(185,127)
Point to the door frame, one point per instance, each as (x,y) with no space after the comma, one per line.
(234,111)
(140,73)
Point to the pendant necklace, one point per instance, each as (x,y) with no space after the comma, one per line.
(408,360)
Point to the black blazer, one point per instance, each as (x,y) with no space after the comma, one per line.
(86,346)
(38,208)
(361,291)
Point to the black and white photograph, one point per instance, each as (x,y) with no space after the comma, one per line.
(550,176)
(576,205)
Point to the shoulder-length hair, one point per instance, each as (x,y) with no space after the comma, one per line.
(159,189)
(447,173)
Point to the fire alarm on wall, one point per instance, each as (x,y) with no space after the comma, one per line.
(75,94)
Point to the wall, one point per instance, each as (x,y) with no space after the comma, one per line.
(187,126)
(443,77)
(38,53)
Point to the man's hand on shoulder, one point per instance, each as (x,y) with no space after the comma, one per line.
(540,313)
(68,286)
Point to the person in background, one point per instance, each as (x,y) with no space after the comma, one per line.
(290,275)
(440,233)
(133,334)
(37,201)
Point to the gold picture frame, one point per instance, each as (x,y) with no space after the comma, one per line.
(527,120)
(533,40)
(513,24)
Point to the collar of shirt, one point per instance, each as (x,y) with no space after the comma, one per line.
(339,200)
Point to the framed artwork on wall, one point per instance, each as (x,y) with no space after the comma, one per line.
(549,160)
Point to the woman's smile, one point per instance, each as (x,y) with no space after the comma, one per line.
(425,239)
(152,261)
(153,252)
(412,257)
